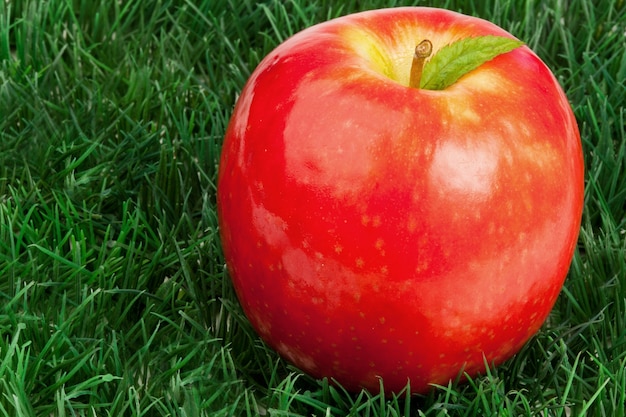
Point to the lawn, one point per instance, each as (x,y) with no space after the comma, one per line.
(114,297)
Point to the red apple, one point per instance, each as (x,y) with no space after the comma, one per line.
(376,229)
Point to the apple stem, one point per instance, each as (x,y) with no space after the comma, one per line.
(422,51)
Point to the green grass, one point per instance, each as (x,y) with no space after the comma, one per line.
(114,298)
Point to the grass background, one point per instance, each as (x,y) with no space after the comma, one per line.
(113,294)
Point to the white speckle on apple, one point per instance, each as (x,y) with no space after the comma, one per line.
(296,355)
(465,169)
(428,149)
(270,226)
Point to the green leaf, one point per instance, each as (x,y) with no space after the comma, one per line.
(459,58)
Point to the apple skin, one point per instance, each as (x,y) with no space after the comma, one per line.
(373,230)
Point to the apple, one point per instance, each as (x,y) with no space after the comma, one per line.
(379,226)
